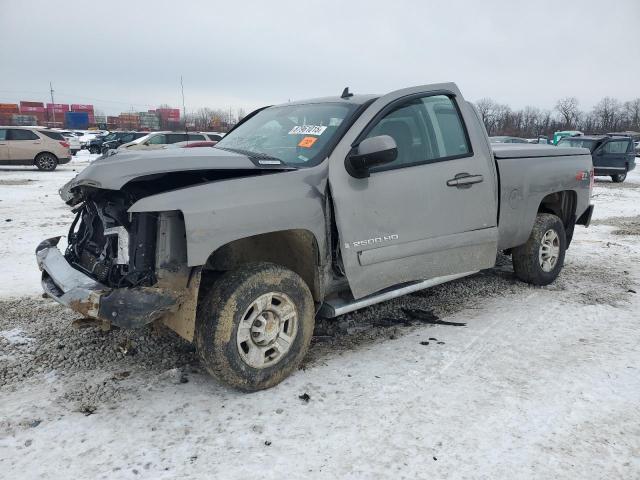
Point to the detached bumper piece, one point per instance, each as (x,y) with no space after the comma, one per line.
(125,307)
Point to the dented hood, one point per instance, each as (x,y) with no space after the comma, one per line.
(113,172)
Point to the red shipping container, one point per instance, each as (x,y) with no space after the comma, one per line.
(31,104)
(58,106)
(80,107)
(27,108)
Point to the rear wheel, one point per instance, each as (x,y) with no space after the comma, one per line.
(619,177)
(94,150)
(254,326)
(540,260)
(46,161)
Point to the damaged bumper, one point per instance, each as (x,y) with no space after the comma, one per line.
(125,307)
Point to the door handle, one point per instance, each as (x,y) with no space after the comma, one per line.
(464,180)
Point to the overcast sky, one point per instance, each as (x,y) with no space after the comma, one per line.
(122,55)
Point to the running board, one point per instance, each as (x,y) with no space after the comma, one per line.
(339,306)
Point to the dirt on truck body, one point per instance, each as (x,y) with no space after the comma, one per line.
(326,205)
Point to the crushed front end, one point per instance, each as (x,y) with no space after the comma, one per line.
(114,267)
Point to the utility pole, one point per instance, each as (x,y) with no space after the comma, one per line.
(184,110)
(53,104)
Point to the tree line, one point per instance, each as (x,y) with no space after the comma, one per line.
(608,115)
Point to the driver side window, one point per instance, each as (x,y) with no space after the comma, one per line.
(426,129)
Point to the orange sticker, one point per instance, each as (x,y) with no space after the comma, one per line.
(307,142)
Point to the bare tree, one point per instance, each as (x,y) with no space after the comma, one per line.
(607,114)
(568,109)
(485,106)
(203,118)
(631,112)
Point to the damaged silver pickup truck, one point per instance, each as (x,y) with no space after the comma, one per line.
(316,207)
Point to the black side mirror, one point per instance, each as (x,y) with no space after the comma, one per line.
(370,153)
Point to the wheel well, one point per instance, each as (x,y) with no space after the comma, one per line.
(41,153)
(295,249)
(563,205)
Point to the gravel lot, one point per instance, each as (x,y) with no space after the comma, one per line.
(533,383)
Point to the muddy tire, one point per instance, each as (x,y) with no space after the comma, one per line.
(46,161)
(619,177)
(540,260)
(254,326)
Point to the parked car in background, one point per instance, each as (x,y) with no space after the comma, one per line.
(192,144)
(89,135)
(613,156)
(505,139)
(637,149)
(541,140)
(73,139)
(565,133)
(45,149)
(635,136)
(214,136)
(156,140)
(94,145)
(120,138)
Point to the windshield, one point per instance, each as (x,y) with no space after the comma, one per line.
(293,134)
(109,137)
(576,142)
(141,139)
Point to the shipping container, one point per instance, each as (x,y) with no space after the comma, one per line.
(9,107)
(25,120)
(30,104)
(30,109)
(77,107)
(76,120)
(58,106)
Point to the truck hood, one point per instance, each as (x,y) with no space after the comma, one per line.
(113,172)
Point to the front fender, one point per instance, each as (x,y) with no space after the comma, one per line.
(220,212)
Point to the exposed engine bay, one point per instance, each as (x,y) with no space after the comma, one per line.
(111,245)
(118,248)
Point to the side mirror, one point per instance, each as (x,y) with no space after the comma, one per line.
(369,153)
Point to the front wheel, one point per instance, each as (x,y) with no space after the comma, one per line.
(540,260)
(253,328)
(46,161)
(619,177)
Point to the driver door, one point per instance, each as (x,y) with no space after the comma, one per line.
(410,220)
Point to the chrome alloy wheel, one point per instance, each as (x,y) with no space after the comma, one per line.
(46,162)
(267,330)
(549,250)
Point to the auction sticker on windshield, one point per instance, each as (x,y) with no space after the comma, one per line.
(307,130)
(307,142)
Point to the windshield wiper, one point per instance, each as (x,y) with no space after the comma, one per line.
(269,160)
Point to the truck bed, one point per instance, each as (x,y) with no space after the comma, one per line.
(523,150)
(527,174)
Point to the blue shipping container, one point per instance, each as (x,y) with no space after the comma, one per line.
(76,120)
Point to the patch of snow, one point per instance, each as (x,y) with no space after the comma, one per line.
(15,336)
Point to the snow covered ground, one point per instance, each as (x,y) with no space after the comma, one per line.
(540,383)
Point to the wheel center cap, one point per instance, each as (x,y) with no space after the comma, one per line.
(272,326)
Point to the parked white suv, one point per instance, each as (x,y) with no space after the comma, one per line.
(73,139)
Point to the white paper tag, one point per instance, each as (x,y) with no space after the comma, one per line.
(307,130)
